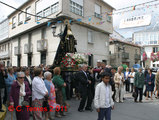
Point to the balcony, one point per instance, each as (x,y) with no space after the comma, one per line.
(112,56)
(17,50)
(125,55)
(137,57)
(28,48)
(4,55)
(42,45)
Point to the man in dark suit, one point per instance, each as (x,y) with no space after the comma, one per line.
(2,83)
(83,84)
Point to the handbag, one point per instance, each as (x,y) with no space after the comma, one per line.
(46,104)
(25,103)
(134,94)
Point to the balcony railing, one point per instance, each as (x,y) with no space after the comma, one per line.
(125,55)
(112,56)
(5,54)
(17,50)
(42,45)
(137,57)
(28,48)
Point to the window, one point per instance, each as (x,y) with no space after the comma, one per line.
(28,10)
(46,12)
(155,49)
(155,42)
(90,60)
(29,60)
(8,63)
(136,51)
(90,37)
(13,22)
(43,34)
(18,61)
(43,58)
(76,6)
(97,11)
(39,15)
(5,47)
(153,65)
(155,37)
(20,18)
(109,18)
(105,61)
(55,7)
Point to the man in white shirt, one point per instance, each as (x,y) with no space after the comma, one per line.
(103,98)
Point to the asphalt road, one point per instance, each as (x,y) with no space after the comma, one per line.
(148,110)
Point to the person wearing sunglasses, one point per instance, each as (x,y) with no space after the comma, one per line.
(19,95)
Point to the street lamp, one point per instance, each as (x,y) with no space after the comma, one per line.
(54,31)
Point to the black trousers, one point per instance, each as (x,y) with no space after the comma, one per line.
(86,95)
(127,85)
(139,91)
(0,100)
(68,88)
(1,90)
(132,86)
(5,96)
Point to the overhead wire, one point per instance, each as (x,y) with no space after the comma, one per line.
(23,11)
(106,12)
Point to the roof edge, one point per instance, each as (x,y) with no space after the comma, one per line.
(107,4)
(117,40)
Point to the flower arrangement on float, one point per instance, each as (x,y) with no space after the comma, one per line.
(154,56)
(71,61)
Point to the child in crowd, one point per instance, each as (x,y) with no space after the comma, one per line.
(103,98)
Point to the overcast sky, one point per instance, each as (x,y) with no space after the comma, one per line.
(117,4)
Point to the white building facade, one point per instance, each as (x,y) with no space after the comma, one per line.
(32,41)
(5,52)
(149,40)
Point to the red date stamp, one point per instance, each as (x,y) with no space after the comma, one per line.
(42,109)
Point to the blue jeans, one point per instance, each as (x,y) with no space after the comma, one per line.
(104,112)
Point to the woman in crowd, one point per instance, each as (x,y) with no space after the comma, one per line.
(19,96)
(150,79)
(28,79)
(51,91)
(157,84)
(39,91)
(132,76)
(119,85)
(113,71)
(127,80)
(60,94)
(9,81)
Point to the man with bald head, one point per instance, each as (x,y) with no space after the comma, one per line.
(83,84)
